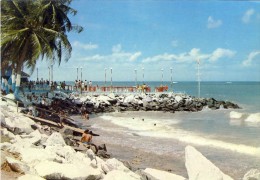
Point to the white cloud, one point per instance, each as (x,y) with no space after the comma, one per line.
(193,55)
(88,46)
(134,56)
(250,58)
(212,23)
(118,55)
(247,16)
(220,53)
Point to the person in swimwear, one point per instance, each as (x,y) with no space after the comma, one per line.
(86,138)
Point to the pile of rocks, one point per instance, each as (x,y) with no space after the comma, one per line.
(38,152)
(149,102)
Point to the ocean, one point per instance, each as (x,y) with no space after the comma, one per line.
(233,144)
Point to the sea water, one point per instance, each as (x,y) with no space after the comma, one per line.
(224,136)
(218,124)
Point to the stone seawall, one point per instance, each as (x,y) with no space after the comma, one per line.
(149,102)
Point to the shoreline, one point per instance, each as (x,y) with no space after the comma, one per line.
(228,161)
(140,161)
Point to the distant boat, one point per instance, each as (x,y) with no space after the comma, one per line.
(174,82)
(228,82)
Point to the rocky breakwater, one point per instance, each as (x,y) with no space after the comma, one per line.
(150,102)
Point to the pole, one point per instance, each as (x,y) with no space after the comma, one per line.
(111,79)
(105,76)
(198,64)
(77,73)
(162,76)
(171,80)
(143,75)
(37,75)
(136,77)
(81,74)
(49,74)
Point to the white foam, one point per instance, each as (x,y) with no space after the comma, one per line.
(163,129)
(235,115)
(253,118)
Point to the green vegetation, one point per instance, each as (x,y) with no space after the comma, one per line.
(34,29)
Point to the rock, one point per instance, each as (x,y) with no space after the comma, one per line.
(19,144)
(17,166)
(154,174)
(54,170)
(19,124)
(114,164)
(252,174)
(5,145)
(103,154)
(3,157)
(30,177)
(35,155)
(67,131)
(129,99)
(200,168)
(34,137)
(55,139)
(91,154)
(7,133)
(10,99)
(178,99)
(119,175)
(104,99)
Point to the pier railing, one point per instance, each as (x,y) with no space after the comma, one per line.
(94,89)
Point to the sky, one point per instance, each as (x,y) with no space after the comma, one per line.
(145,39)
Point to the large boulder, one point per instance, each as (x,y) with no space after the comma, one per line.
(64,152)
(17,166)
(30,177)
(129,99)
(114,164)
(119,175)
(19,124)
(104,99)
(154,174)
(34,137)
(200,168)
(54,170)
(252,174)
(55,139)
(19,144)
(10,99)
(36,155)
(178,98)
(7,133)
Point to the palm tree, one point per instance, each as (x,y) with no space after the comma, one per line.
(35,29)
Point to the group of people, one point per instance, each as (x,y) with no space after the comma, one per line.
(83,85)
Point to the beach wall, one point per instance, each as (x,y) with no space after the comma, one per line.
(169,102)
